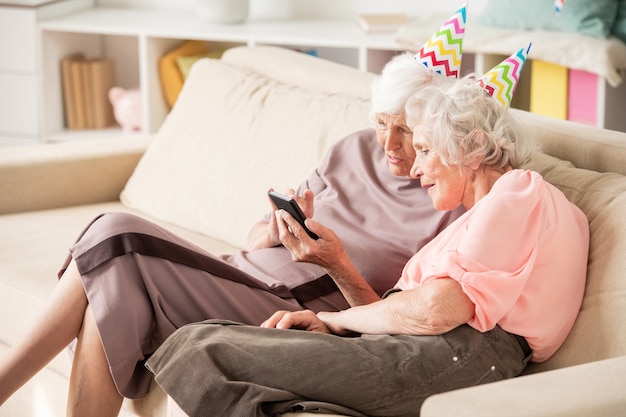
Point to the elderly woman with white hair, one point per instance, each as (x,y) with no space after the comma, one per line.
(500,286)
(129,283)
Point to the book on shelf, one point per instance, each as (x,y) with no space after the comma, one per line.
(87,92)
(86,84)
(69,101)
(103,79)
(381,22)
(78,96)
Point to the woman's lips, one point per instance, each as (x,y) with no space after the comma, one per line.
(394,160)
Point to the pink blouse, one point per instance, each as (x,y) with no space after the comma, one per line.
(520,255)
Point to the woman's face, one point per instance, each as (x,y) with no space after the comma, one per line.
(447,186)
(396,139)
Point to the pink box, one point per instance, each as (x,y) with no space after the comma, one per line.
(582,97)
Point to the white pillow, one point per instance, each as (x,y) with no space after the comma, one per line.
(231,136)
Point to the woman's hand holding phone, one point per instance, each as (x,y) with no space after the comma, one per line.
(265,234)
(289,204)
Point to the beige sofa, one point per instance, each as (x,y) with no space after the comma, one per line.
(263,117)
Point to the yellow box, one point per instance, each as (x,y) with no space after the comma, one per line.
(548,89)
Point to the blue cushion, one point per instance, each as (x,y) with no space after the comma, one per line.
(619,28)
(589,17)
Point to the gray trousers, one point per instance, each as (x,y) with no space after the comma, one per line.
(218,368)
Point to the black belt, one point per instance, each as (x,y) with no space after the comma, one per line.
(311,290)
(524,345)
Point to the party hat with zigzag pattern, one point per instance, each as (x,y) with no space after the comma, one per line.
(444,50)
(500,82)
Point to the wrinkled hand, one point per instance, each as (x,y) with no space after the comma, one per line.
(327,251)
(306,205)
(306,201)
(301,320)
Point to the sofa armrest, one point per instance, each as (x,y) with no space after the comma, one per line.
(592,389)
(64,174)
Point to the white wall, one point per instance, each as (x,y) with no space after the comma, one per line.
(269,9)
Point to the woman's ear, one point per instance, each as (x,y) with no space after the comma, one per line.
(477,158)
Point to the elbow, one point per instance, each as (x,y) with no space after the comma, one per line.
(433,308)
(428,320)
(439,311)
(438,325)
(438,321)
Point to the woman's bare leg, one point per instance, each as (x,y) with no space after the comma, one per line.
(92,390)
(57,325)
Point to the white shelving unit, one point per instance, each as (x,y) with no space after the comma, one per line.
(20,104)
(137,38)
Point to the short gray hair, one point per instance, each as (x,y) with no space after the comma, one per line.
(401,77)
(466,126)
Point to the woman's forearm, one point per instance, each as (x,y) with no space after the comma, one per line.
(433,308)
(352,285)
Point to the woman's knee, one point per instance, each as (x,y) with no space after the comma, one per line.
(115,223)
(118,220)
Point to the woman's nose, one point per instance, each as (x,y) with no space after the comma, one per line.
(392,140)
(416,169)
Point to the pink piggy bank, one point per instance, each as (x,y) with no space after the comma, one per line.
(126,107)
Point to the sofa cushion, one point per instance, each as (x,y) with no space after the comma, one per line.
(330,77)
(598,332)
(228,125)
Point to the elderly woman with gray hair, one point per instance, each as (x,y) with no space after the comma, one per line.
(500,286)
(128,283)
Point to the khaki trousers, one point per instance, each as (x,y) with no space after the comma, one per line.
(218,368)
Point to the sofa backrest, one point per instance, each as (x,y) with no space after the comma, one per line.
(600,328)
(237,130)
(585,146)
(589,165)
(329,77)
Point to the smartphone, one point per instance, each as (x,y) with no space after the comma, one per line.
(291,206)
